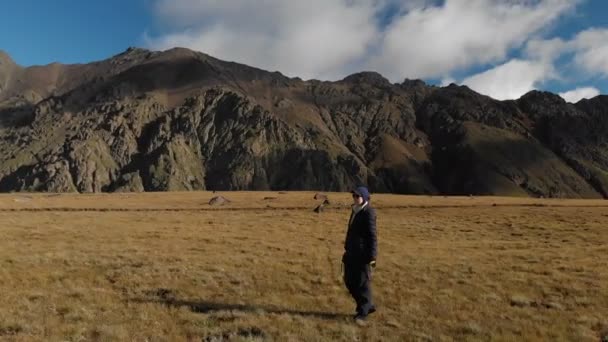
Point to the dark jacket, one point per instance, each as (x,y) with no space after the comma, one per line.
(360,245)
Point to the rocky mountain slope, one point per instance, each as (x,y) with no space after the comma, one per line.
(182,120)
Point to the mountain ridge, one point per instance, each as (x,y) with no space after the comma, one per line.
(183,120)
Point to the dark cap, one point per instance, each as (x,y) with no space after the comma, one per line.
(363,192)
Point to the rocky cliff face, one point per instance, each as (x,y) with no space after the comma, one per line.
(180,120)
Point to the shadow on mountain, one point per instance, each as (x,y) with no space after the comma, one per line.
(166,75)
(16,117)
(291,169)
(491,161)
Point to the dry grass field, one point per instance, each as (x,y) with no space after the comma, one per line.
(168,267)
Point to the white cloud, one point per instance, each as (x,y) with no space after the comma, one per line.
(516,77)
(589,53)
(328,39)
(546,50)
(578,94)
(591,48)
(434,41)
(447,81)
(510,80)
(315,38)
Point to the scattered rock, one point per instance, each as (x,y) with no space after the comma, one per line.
(249,334)
(471,328)
(219,200)
(582,301)
(422,337)
(10,329)
(393,324)
(269,198)
(492,297)
(22,199)
(319,196)
(586,320)
(553,305)
(521,301)
(161,293)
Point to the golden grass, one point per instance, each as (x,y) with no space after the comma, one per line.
(167,267)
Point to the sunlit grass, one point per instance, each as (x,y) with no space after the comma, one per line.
(166,267)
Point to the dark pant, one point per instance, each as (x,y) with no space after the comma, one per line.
(357,277)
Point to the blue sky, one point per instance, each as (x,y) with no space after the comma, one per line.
(70,31)
(329,39)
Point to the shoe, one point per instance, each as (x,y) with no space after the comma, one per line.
(360,315)
(371,311)
(361,320)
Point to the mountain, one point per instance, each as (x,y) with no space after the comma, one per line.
(183,120)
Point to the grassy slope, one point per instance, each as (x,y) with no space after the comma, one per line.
(449,268)
(501,153)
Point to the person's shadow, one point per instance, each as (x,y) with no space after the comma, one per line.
(204,307)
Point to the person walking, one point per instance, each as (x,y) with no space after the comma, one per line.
(360,251)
